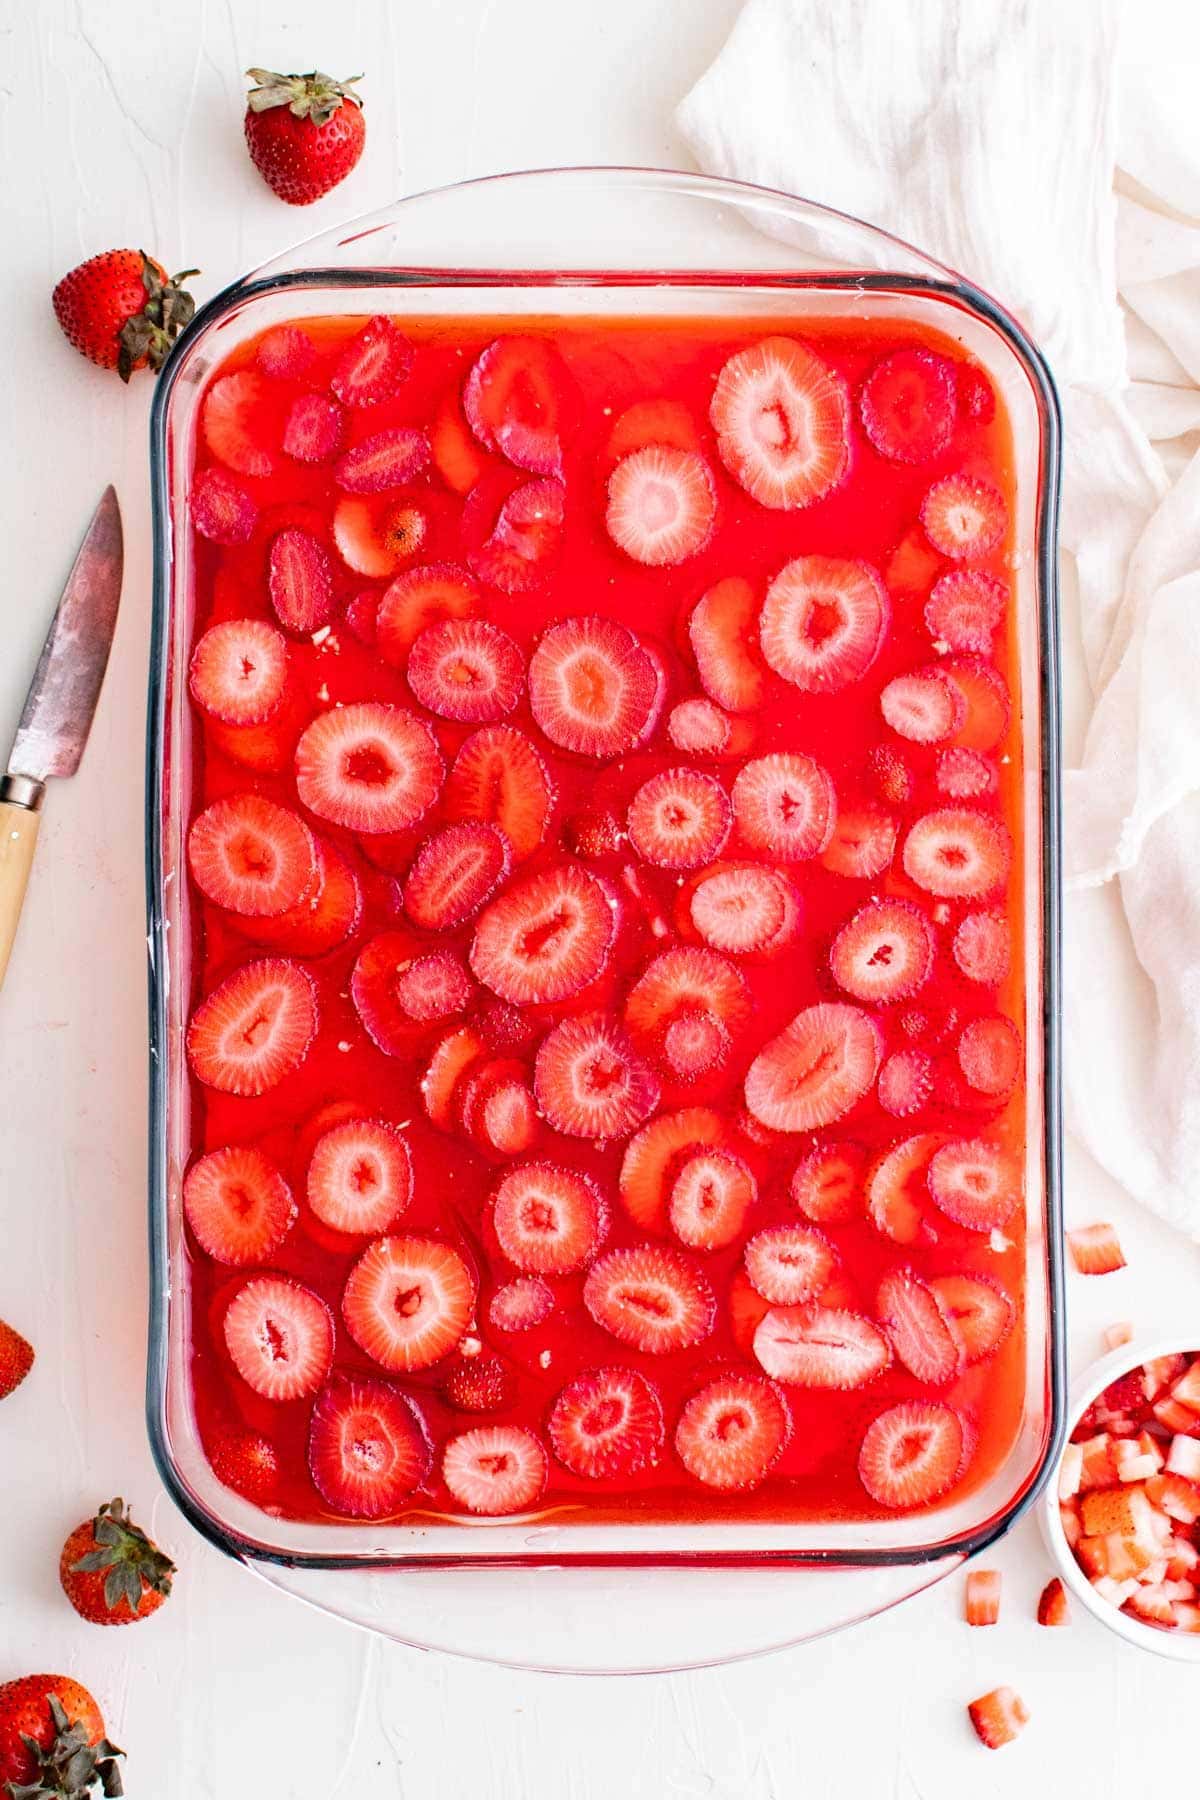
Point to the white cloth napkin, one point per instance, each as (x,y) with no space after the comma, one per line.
(1042,150)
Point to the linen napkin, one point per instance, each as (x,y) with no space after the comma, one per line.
(1040,150)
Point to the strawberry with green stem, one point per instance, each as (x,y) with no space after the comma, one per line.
(122,311)
(304,132)
(110,1570)
(52,1741)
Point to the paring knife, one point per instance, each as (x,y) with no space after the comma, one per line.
(60,704)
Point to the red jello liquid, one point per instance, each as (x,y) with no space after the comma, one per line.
(564,419)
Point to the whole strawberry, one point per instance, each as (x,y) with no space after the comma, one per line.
(16,1359)
(111,1572)
(304,132)
(52,1741)
(120,310)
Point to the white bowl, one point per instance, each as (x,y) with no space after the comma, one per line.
(1182,1646)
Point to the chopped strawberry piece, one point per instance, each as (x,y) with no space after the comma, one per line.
(456,456)
(279,1336)
(1098,1466)
(990,1055)
(520,1305)
(964,518)
(721,630)
(495,1469)
(368,1447)
(233,421)
(926,707)
(912,567)
(820,1347)
(922,1337)
(661,505)
(360,1176)
(1173,1495)
(285,352)
(418,598)
(1172,1416)
(499,778)
(744,909)
(313,428)
(300,581)
(238,671)
(654,1156)
(863,842)
(1183,1457)
(607,1423)
(665,422)
(785,804)
(548,1220)
(789,1264)
(255,1028)
(988,706)
(905,1083)
(466,669)
(1113,1336)
(975,1183)
(1053,1607)
(731,1434)
(385,461)
(374,365)
(454,872)
(827,1184)
(370,766)
(998,1717)
(679,819)
(981,948)
(965,609)
(545,937)
(982,1603)
(1151,1604)
(823,622)
(782,420)
(251,856)
(1185,1389)
(884,953)
(978,1311)
(1133,1462)
(710,1198)
(1095,1249)
(479,1384)
(222,510)
(514,548)
(816,1070)
(683,982)
(589,1080)
(1159,1373)
(593,689)
(907,405)
(323,918)
(514,402)
(238,1205)
(653,1299)
(698,727)
(897,1188)
(957,854)
(407,1301)
(375,535)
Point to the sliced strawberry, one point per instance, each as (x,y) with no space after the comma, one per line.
(607,1423)
(905,1083)
(679,819)
(520,1305)
(665,422)
(251,856)
(376,535)
(653,1299)
(246,1462)
(233,422)
(820,1347)
(912,567)
(370,767)
(745,909)
(1053,1607)
(816,1070)
(654,1157)
(514,402)
(823,622)
(494,1469)
(360,1176)
(368,1447)
(433,987)
(267,747)
(710,1198)
(392,989)
(789,1264)
(545,938)
(965,774)
(785,804)
(964,518)
(384,461)
(891,775)
(897,1188)
(285,352)
(592,687)
(731,1434)
(782,420)
(827,1184)
(884,953)
(983,1597)
(998,1717)
(455,871)
(698,727)
(957,854)
(991,1055)
(362,616)
(499,778)
(456,455)
(313,428)
(222,510)
(466,669)
(911,1454)
(926,707)
(981,948)
(452,1057)
(976,1184)
(514,548)
(975,397)
(238,671)
(863,842)
(548,1220)
(1095,1249)
(300,582)
(255,1028)
(417,599)
(661,505)
(589,1080)
(988,706)
(324,918)
(722,631)
(238,1205)
(907,405)
(965,608)
(279,1336)
(507,1117)
(592,835)
(922,1337)
(479,1384)
(407,1301)
(684,982)
(373,366)
(694,1044)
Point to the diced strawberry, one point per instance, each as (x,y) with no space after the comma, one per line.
(1183,1558)
(744,909)
(360,1176)
(1072,1529)
(816,1070)
(651,1298)
(452,1057)
(965,774)
(589,1080)
(981,1316)
(313,428)
(1117,1512)
(592,687)
(375,535)
(975,397)
(1159,1373)
(222,510)
(1115,1592)
(607,1423)
(975,1183)
(407,1301)
(1172,1416)
(982,949)
(1135,1463)
(238,671)
(782,420)
(912,567)
(1183,1457)
(698,727)
(722,632)
(1185,1389)
(495,1469)
(823,622)
(279,1336)
(827,1184)
(285,352)
(957,854)
(420,597)
(480,1383)
(905,1083)
(373,366)
(897,1188)
(964,518)
(1151,1605)
(665,422)
(545,937)
(731,1434)
(385,461)
(1052,1606)
(785,804)
(965,608)
(710,1198)
(982,1600)
(820,1347)
(695,1044)
(863,842)
(998,1717)
(926,706)
(251,856)
(454,872)
(548,1220)
(922,1337)
(679,819)
(238,1205)
(323,918)
(499,778)
(520,1305)
(234,422)
(1113,1336)
(370,767)
(514,546)
(368,1447)
(255,1028)
(456,455)
(907,405)
(514,402)
(1095,1249)
(466,669)
(300,581)
(654,1156)
(1098,1466)
(988,706)
(686,981)
(661,505)
(789,1264)
(884,953)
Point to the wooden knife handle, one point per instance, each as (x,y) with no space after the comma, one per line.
(18,836)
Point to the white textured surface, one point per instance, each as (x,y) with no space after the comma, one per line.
(120,122)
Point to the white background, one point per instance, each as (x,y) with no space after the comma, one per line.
(121,124)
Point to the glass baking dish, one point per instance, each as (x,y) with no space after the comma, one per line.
(604,242)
